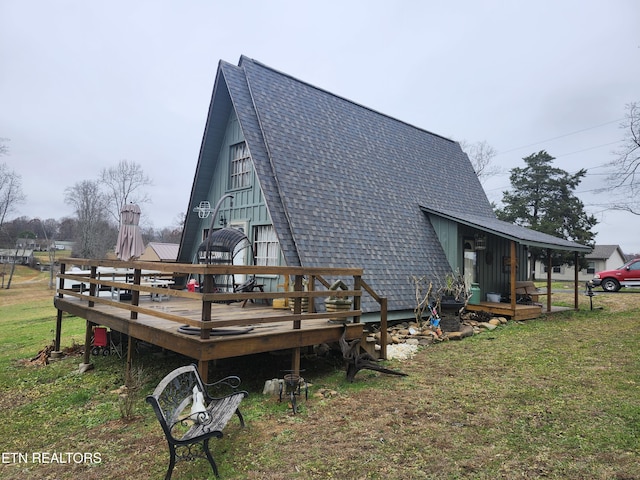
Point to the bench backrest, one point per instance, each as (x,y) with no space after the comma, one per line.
(174,394)
(526,287)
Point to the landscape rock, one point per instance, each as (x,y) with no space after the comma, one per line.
(487,325)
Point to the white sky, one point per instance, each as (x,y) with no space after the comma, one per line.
(85,84)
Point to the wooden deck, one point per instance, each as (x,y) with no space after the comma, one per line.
(520,312)
(264,335)
(216,318)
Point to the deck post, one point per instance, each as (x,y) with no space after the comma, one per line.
(206,307)
(131,344)
(135,294)
(56,346)
(87,342)
(383,328)
(357,299)
(297,310)
(92,286)
(203,370)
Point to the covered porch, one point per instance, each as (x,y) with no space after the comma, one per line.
(496,256)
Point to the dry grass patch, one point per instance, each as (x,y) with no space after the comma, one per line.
(553,398)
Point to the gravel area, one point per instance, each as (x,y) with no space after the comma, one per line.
(401,351)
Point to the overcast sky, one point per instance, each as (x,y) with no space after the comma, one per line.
(85,84)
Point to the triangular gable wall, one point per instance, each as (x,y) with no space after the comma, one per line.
(343,184)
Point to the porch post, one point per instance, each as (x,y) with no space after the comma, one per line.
(575,281)
(512,277)
(549,269)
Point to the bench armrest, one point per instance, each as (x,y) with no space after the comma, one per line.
(231,381)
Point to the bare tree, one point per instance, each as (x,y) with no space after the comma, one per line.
(4,149)
(123,184)
(93,234)
(10,191)
(624,181)
(481,155)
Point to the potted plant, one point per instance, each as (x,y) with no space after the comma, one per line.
(452,292)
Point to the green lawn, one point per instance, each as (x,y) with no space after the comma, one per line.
(555,397)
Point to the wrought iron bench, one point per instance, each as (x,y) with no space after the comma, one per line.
(190,416)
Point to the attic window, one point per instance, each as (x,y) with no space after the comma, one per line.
(240,166)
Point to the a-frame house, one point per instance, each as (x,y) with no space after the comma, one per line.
(319,180)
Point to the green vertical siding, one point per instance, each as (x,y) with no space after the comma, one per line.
(447,232)
(492,277)
(249,207)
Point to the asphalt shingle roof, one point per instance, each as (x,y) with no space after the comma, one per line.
(347,186)
(350,180)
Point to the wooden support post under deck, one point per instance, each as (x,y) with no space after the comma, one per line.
(297,309)
(56,345)
(383,328)
(203,370)
(131,348)
(87,342)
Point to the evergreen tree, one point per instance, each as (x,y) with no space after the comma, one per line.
(542,198)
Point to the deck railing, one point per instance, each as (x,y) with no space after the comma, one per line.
(169,279)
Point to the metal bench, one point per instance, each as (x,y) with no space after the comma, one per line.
(190,416)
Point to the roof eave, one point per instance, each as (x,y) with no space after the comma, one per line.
(572,247)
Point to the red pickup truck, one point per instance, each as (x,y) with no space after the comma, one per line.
(628,275)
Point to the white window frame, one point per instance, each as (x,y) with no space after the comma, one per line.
(267,246)
(240,166)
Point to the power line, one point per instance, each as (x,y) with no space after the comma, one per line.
(560,136)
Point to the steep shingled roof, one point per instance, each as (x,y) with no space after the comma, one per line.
(345,185)
(348,181)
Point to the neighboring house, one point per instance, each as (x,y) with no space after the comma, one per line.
(35,244)
(318,180)
(160,252)
(22,257)
(603,257)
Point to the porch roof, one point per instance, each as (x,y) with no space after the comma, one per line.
(522,235)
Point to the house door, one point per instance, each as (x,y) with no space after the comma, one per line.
(469,267)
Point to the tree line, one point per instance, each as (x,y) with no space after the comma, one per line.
(96,204)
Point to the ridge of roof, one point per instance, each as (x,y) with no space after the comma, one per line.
(244,58)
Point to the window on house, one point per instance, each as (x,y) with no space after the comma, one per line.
(267,246)
(240,166)
(591,268)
